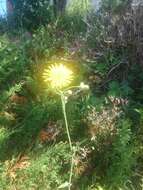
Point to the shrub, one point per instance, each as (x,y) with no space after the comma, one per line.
(31,14)
(122,158)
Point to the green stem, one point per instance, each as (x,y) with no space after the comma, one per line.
(69,138)
(71,170)
(65,118)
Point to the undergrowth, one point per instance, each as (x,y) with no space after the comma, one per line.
(105,122)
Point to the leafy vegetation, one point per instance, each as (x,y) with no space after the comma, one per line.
(103,48)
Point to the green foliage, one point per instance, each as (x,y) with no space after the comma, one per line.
(13,60)
(47,170)
(122,157)
(79,8)
(119,90)
(106,124)
(32,14)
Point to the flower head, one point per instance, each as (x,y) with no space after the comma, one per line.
(59,76)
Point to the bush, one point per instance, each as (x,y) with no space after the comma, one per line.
(32,14)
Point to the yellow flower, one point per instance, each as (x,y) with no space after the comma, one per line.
(59,76)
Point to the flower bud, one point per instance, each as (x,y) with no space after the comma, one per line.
(84,86)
